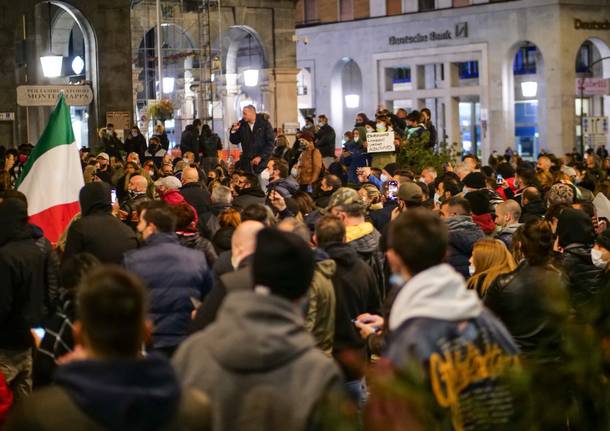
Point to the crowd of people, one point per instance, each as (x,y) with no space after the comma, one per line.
(304,288)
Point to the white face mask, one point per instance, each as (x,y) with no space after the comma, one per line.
(437,198)
(384,178)
(265,175)
(356,138)
(369,130)
(381,127)
(471,270)
(596,257)
(294,171)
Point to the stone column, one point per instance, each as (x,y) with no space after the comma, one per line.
(229,97)
(285,96)
(267,89)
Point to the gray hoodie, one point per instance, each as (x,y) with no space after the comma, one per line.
(258,365)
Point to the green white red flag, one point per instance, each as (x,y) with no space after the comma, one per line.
(52,177)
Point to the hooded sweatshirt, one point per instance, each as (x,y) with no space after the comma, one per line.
(259,366)
(123,394)
(22,277)
(98,232)
(114,395)
(438,324)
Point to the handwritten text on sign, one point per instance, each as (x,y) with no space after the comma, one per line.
(46,95)
(380,142)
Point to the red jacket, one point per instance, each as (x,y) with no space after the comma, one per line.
(6,400)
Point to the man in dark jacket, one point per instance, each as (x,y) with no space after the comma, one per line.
(128,211)
(329,185)
(463,233)
(576,237)
(438,328)
(356,293)
(97,231)
(279,178)
(256,136)
(194,193)
(533,205)
(258,364)
(22,295)
(249,192)
(209,145)
(229,263)
(325,140)
(109,385)
(172,273)
(189,141)
(112,144)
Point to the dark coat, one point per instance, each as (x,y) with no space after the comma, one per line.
(257,142)
(527,301)
(210,145)
(356,292)
(249,197)
(22,277)
(197,242)
(116,394)
(189,141)
(585,280)
(98,232)
(136,145)
(199,198)
(463,233)
(173,274)
(534,210)
(325,141)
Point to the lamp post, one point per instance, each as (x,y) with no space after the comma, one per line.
(582,94)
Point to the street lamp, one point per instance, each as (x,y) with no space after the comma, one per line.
(529,88)
(582,94)
(352,101)
(51,64)
(168,84)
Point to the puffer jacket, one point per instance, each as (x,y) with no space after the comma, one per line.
(321,303)
(463,233)
(310,166)
(532,302)
(195,241)
(585,280)
(170,290)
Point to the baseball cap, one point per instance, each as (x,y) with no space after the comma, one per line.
(344,196)
(170,182)
(410,192)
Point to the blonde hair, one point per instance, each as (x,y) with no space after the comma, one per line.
(490,258)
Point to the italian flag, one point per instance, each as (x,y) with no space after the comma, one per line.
(52,177)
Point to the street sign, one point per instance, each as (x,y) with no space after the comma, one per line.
(46,95)
(592,86)
(120,120)
(7,116)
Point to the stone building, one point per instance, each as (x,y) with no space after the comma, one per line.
(205,48)
(495,74)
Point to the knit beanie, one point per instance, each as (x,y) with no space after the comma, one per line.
(283,262)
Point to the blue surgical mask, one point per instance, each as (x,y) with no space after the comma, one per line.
(381,127)
(384,178)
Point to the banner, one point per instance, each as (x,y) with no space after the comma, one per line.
(380,142)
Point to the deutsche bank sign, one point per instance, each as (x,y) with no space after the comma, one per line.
(460,32)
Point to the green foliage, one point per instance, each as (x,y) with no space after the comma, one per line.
(162,110)
(414,155)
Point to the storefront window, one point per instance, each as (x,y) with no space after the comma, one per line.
(525,61)
(469,70)
(526,127)
(470,127)
(425,5)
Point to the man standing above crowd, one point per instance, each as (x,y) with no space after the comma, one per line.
(256,136)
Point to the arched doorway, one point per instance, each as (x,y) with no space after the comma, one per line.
(592,102)
(244,80)
(527,99)
(346,93)
(73,39)
(179,60)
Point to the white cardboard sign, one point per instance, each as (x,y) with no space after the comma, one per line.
(380,142)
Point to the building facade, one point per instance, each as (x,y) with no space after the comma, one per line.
(110,49)
(495,75)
